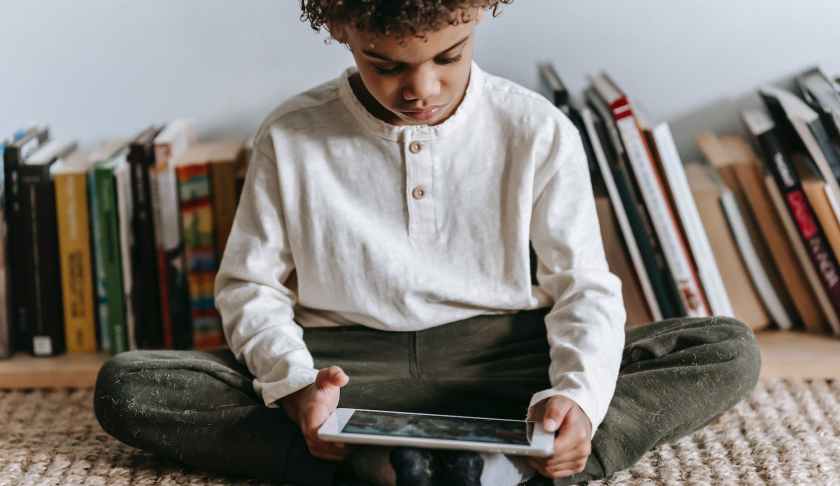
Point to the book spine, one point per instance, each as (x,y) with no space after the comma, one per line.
(621,216)
(223,181)
(75,257)
(693,226)
(44,303)
(757,273)
(5,316)
(15,252)
(802,253)
(194,191)
(146,285)
(802,214)
(174,255)
(751,178)
(98,250)
(108,218)
(161,260)
(661,214)
(122,180)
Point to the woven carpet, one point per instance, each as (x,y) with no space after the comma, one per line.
(788,432)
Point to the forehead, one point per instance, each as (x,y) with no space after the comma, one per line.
(410,49)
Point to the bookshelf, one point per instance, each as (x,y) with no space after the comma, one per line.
(785,354)
(64,371)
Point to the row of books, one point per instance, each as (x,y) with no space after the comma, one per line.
(752,232)
(114,248)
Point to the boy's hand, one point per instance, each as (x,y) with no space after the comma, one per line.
(572,445)
(311,406)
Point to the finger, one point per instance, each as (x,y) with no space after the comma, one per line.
(581,451)
(313,418)
(570,437)
(555,413)
(325,449)
(333,376)
(566,465)
(538,466)
(560,474)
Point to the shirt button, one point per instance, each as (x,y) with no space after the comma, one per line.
(415,147)
(418,192)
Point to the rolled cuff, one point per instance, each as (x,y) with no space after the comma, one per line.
(297,379)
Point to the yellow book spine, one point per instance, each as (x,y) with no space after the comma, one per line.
(76,270)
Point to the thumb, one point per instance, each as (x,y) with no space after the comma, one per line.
(555,412)
(331,377)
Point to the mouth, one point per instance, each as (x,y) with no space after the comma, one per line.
(423,115)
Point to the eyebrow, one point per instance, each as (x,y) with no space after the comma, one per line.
(387,59)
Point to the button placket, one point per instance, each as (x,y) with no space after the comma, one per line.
(419,173)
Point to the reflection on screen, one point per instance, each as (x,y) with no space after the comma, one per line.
(435,427)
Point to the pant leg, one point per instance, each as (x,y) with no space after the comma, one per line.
(199,408)
(676,376)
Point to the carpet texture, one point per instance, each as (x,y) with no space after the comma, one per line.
(788,432)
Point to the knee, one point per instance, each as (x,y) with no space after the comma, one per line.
(745,365)
(113,391)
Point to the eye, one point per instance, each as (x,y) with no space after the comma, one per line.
(451,60)
(388,70)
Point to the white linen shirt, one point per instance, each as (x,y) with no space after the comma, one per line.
(345,219)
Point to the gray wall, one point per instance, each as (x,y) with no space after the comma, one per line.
(100,68)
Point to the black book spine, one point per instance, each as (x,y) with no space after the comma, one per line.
(146,302)
(11,160)
(44,303)
(803,216)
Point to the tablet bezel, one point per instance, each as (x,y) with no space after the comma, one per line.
(542,441)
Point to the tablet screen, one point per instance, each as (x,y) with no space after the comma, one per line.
(372,422)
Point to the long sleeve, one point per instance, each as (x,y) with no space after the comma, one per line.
(256,308)
(586,323)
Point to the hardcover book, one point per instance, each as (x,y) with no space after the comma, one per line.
(778,150)
(655,199)
(41,285)
(70,176)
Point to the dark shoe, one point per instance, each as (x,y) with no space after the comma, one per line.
(413,467)
(458,468)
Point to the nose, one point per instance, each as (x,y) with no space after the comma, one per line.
(421,84)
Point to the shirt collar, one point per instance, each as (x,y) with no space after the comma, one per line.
(412,132)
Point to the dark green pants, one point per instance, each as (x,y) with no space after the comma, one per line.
(200,408)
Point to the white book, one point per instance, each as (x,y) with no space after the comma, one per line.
(122,179)
(621,215)
(802,253)
(169,144)
(692,224)
(657,206)
(754,266)
(678,260)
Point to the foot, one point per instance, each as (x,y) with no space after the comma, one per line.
(458,468)
(413,467)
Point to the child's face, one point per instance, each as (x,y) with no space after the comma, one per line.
(418,82)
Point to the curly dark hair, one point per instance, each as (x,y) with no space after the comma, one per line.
(399,18)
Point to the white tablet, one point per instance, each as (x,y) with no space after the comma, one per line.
(379,427)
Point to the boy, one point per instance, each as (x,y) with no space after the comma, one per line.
(380,259)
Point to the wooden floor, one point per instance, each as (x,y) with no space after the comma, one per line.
(784,354)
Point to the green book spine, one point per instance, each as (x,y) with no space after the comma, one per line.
(97,243)
(106,195)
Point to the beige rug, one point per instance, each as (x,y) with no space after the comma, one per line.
(787,433)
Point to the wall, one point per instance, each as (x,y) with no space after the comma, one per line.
(99,68)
